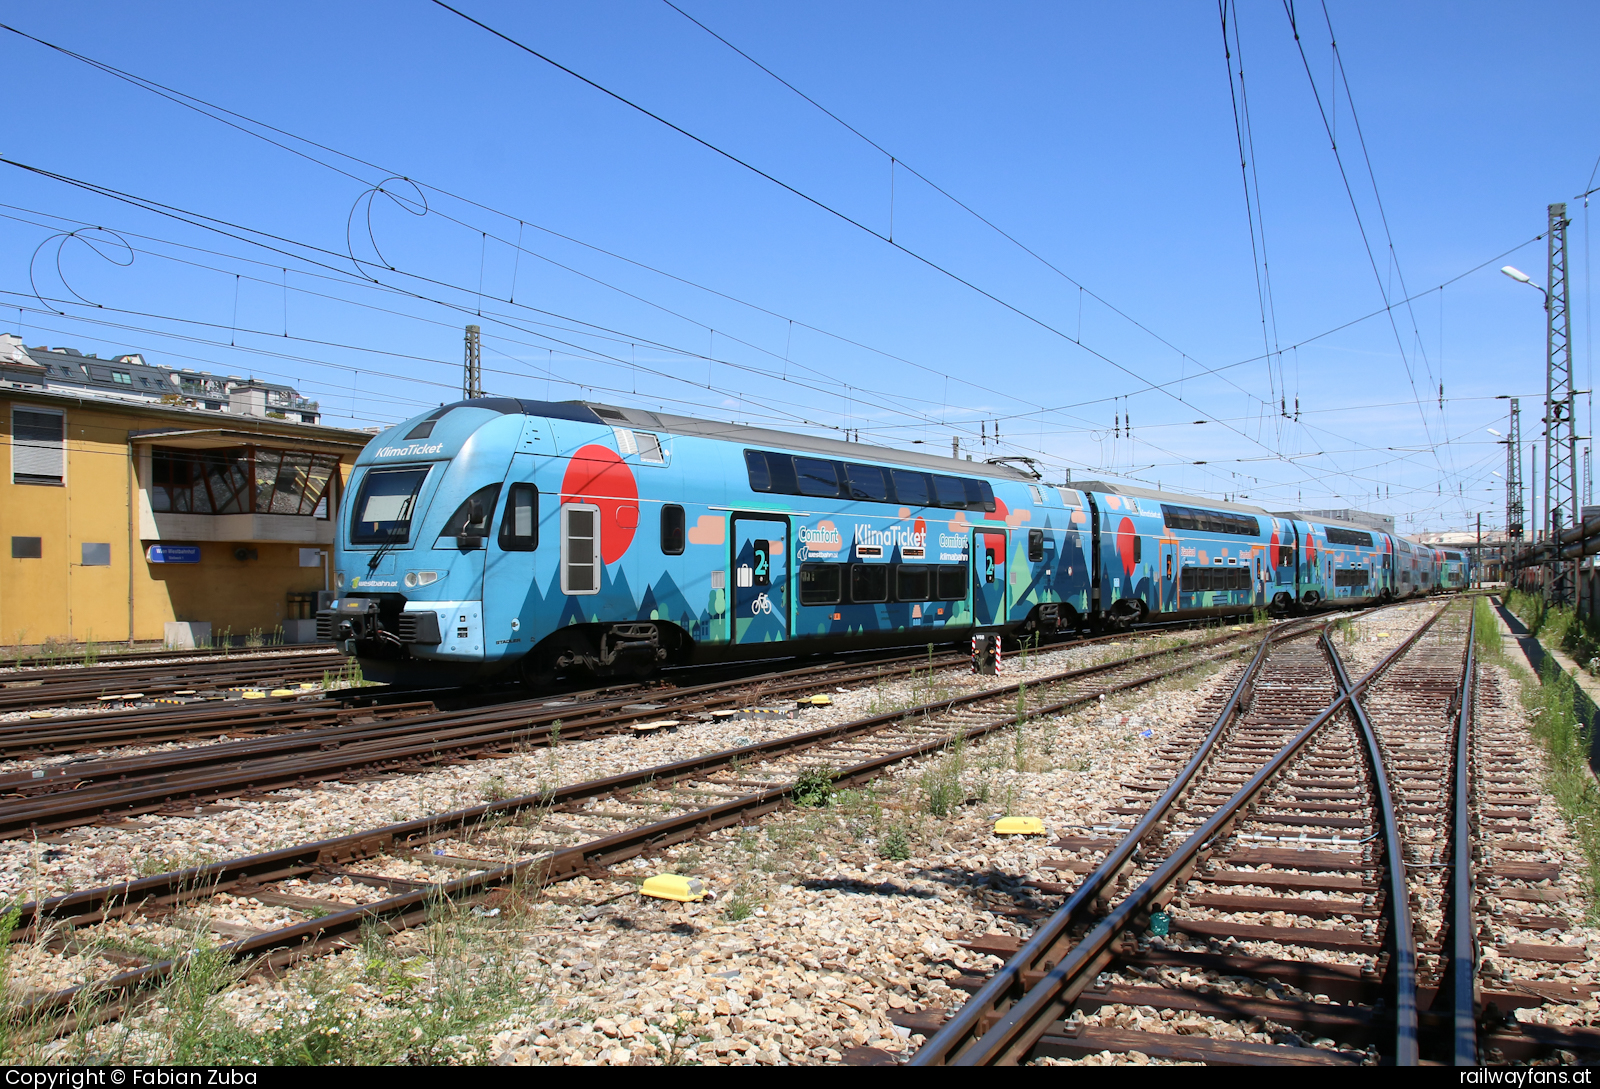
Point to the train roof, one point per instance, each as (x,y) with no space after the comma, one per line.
(746,435)
(743,434)
(1174,498)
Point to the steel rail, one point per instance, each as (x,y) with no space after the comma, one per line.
(288,943)
(1464,937)
(1009,983)
(1400,982)
(1023,1023)
(141,659)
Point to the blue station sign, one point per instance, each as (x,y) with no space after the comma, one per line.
(157,553)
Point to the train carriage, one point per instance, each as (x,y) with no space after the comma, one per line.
(503,537)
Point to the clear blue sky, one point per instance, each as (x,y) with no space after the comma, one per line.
(1102,137)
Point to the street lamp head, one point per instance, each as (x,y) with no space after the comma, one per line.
(1516,274)
(1493,432)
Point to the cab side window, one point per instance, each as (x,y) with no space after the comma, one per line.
(519,525)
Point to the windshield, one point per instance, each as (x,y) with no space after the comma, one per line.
(382,512)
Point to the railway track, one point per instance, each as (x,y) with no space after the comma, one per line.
(1302,892)
(538,839)
(367,742)
(38,689)
(1288,758)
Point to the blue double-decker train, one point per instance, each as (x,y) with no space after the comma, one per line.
(500,537)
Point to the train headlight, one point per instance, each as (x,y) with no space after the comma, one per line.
(421,578)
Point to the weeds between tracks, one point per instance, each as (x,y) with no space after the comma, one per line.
(1563,718)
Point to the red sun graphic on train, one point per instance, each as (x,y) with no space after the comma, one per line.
(597,476)
(999,513)
(1125,537)
(920,529)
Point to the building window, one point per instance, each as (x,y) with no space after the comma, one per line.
(672,530)
(519,526)
(122,378)
(580,549)
(38,447)
(240,480)
(27,548)
(96,555)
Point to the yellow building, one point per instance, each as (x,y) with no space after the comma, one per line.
(123,516)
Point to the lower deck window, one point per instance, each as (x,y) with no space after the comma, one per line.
(821,583)
(1352,577)
(951,582)
(869,583)
(911,582)
(1199,579)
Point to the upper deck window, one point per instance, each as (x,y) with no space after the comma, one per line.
(1348,536)
(823,478)
(1199,520)
(868,482)
(383,509)
(817,477)
(911,488)
(950,491)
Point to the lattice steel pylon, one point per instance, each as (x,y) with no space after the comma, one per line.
(1561,438)
(1514,515)
(472,367)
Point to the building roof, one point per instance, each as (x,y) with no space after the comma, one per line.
(129,378)
(182,420)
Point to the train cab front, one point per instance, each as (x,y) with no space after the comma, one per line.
(411,547)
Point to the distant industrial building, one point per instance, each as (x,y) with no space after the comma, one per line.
(138,496)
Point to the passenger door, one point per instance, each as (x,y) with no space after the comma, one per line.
(760,578)
(1169,575)
(988,577)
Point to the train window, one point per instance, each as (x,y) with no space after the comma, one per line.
(1138,548)
(951,491)
(519,525)
(672,530)
(911,582)
(817,477)
(869,582)
(580,549)
(1356,577)
(1347,536)
(385,504)
(771,472)
(1038,496)
(1196,579)
(1198,520)
(951,582)
(471,518)
(1035,545)
(911,488)
(649,448)
(980,496)
(820,583)
(868,482)
(1069,497)
(755,462)
(425,428)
